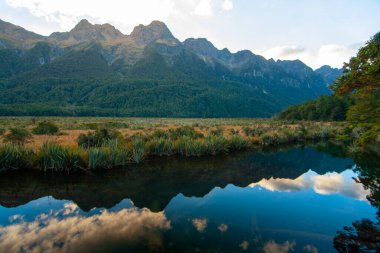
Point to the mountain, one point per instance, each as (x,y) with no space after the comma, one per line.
(96,70)
(329,74)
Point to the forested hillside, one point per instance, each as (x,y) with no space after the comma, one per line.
(96,70)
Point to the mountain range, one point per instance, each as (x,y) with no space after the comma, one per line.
(95,70)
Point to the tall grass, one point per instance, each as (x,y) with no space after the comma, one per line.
(105,148)
(138,150)
(53,156)
(13,157)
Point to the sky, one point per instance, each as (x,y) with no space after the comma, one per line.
(318,32)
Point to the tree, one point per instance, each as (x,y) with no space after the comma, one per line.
(361,78)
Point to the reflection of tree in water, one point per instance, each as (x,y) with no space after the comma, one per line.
(364,235)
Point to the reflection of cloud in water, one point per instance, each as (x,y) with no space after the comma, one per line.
(273,247)
(310,248)
(223,228)
(339,183)
(200,224)
(330,183)
(84,234)
(244,245)
(284,184)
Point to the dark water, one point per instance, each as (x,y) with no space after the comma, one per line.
(292,200)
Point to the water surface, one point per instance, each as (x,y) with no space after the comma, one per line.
(291,200)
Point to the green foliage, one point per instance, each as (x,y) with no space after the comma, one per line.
(324,108)
(46,127)
(18,136)
(97,138)
(2,131)
(53,156)
(13,157)
(237,143)
(138,150)
(216,144)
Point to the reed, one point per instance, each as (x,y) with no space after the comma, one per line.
(14,157)
(53,156)
(138,150)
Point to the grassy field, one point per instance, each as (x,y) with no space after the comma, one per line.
(57,143)
(71,127)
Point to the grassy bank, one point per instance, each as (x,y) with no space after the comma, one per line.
(69,144)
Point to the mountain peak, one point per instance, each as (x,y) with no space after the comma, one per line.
(156,30)
(83,25)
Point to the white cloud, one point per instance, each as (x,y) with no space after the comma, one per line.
(204,8)
(333,55)
(227,5)
(67,13)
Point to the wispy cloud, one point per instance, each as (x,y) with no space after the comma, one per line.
(333,55)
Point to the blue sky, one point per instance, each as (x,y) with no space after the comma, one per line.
(316,31)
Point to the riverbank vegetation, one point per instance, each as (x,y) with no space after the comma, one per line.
(104,143)
(356,98)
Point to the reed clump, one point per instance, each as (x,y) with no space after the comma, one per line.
(14,157)
(53,156)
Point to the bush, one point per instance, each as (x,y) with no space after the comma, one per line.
(14,157)
(46,127)
(97,138)
(17,136)
(2,131)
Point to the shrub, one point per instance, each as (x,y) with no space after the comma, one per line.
(53,156)
(2,131)
(18,136)
(97,138)
(46,127)
(13,157)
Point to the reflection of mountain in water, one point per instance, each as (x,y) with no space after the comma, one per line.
(154,183)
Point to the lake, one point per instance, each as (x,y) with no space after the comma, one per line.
(286,200)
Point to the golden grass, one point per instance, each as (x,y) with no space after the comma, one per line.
(72,127)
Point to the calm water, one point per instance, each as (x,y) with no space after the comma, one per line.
(292,200)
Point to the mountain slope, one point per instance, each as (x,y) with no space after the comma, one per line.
(97,70)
